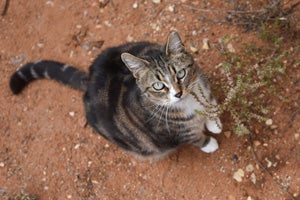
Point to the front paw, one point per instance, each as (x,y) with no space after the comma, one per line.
(214,126)
(211,146)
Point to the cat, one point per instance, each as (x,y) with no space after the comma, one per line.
(138,96)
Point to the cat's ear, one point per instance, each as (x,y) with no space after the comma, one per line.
(174,44)
(136,65)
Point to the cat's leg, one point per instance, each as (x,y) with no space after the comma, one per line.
(214,126)
(207,144)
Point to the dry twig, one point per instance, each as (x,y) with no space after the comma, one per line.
(5,7)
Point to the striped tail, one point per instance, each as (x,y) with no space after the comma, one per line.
(60,72)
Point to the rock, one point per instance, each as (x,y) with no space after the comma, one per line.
(171,8)
(265,144)
(296,194)
(156,1)
(86,47)
(107,23)
(230,48)
(269,163)
(253,178)
(18,59)
(256,143)
(205,45)
(50,3)
(249,168)
(77,146)
(238,175)
(193,49)
(72,113)
(135,5)
(273,127)
(129,38)
(269,122)
(297,135)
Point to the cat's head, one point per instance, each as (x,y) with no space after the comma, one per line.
(167,77)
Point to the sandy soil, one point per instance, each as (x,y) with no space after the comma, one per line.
(47,152)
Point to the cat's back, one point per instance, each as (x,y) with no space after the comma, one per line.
(109,61)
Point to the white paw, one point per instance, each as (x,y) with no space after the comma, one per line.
(214,126)
(211,147)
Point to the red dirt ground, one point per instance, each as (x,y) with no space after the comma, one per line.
(47,152)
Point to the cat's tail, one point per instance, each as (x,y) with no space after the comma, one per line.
(57,71)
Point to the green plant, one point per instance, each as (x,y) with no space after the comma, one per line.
(247,81)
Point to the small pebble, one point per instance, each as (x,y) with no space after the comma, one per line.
(249,168)
(296,194)
(253,178)
(72,113)
(230,48)
(269,163)
(193,49)
(77,146)
(129,38)
(249,198)
(69,196)
(238,175)
(86,47)
(273,127)
(205,45)
(156,1)
(18,59)
(107,23)
(256,143)
(40,44)
(135,5)
(269,122)
(297,135)
(171,8)
(50,3)
(2,164)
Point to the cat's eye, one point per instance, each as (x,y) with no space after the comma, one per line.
(158,86)
(181,74)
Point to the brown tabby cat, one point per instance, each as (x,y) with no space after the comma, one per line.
(138,96)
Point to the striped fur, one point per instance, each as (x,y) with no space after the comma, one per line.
(138,96)
(60,72)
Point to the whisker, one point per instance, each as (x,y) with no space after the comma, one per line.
(154,112)
(167,122)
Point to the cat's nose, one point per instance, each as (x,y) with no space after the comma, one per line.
(179,94)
